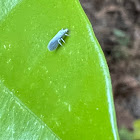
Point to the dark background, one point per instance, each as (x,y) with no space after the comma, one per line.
(116,24)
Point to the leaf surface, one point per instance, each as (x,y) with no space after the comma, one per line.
(68,89)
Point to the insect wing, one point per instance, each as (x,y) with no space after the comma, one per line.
(53,44)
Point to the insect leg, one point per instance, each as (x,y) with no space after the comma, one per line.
(66,35)
(62,40)
(59,42)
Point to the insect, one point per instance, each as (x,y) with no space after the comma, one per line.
(55,41)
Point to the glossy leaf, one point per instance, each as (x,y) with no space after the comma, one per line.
(68,89)
(18,122)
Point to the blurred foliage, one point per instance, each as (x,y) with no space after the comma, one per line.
(122,40)
(121,37)
(137,130)
(125,134)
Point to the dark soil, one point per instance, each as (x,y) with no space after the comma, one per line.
(116,24)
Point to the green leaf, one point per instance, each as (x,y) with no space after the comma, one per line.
(68,89)
(18,122)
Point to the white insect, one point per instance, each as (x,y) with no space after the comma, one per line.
(53,44)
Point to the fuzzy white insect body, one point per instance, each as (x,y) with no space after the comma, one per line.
(55,41)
